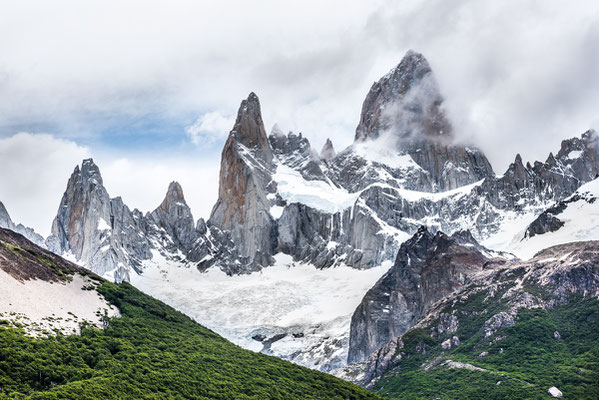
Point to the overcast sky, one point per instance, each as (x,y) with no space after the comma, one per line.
(150,89)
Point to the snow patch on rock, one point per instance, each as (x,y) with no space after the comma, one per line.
(320,195)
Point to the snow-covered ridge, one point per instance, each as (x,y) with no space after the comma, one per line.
(580,218)
(382,152)
(327,197)
(320,195)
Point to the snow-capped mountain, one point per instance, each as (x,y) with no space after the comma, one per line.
(291,224)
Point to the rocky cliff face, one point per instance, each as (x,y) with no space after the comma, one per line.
(99,231)
(110,239)
(174,220)
(427,268)
(243,206)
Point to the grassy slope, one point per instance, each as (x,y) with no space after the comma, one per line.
(527,361)
(152,351)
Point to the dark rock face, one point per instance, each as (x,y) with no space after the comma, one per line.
(544,223)
(243,208)
(405,106)
(427,268)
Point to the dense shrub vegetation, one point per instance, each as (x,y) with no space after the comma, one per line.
(152,352)
(523,363)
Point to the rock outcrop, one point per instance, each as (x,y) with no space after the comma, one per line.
(173,218)
(427,268)
(487,305)
(102,233)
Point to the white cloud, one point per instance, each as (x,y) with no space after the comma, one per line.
(209,128)
(33,175)
(517,75)
(511,71)
(142,182)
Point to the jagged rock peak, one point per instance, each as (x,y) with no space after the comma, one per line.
(412,68)
(174,201)
(249,127)
(246,171)
(174,216)
(328,151)
(407,90)
(174,192)
(518,159)
(90,171)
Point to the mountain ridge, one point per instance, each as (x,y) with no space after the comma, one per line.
(281,199)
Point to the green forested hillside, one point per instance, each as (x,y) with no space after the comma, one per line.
(523,361)
(152,352)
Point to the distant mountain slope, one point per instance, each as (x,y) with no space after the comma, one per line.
(7,223)
(150,351)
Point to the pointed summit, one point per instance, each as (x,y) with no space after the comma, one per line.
(174,193)
(404,108)
(328,151)
(174,216)
(90,172)
(249,127)
(174,199)
(83,214)
(408,93)
(246,169)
